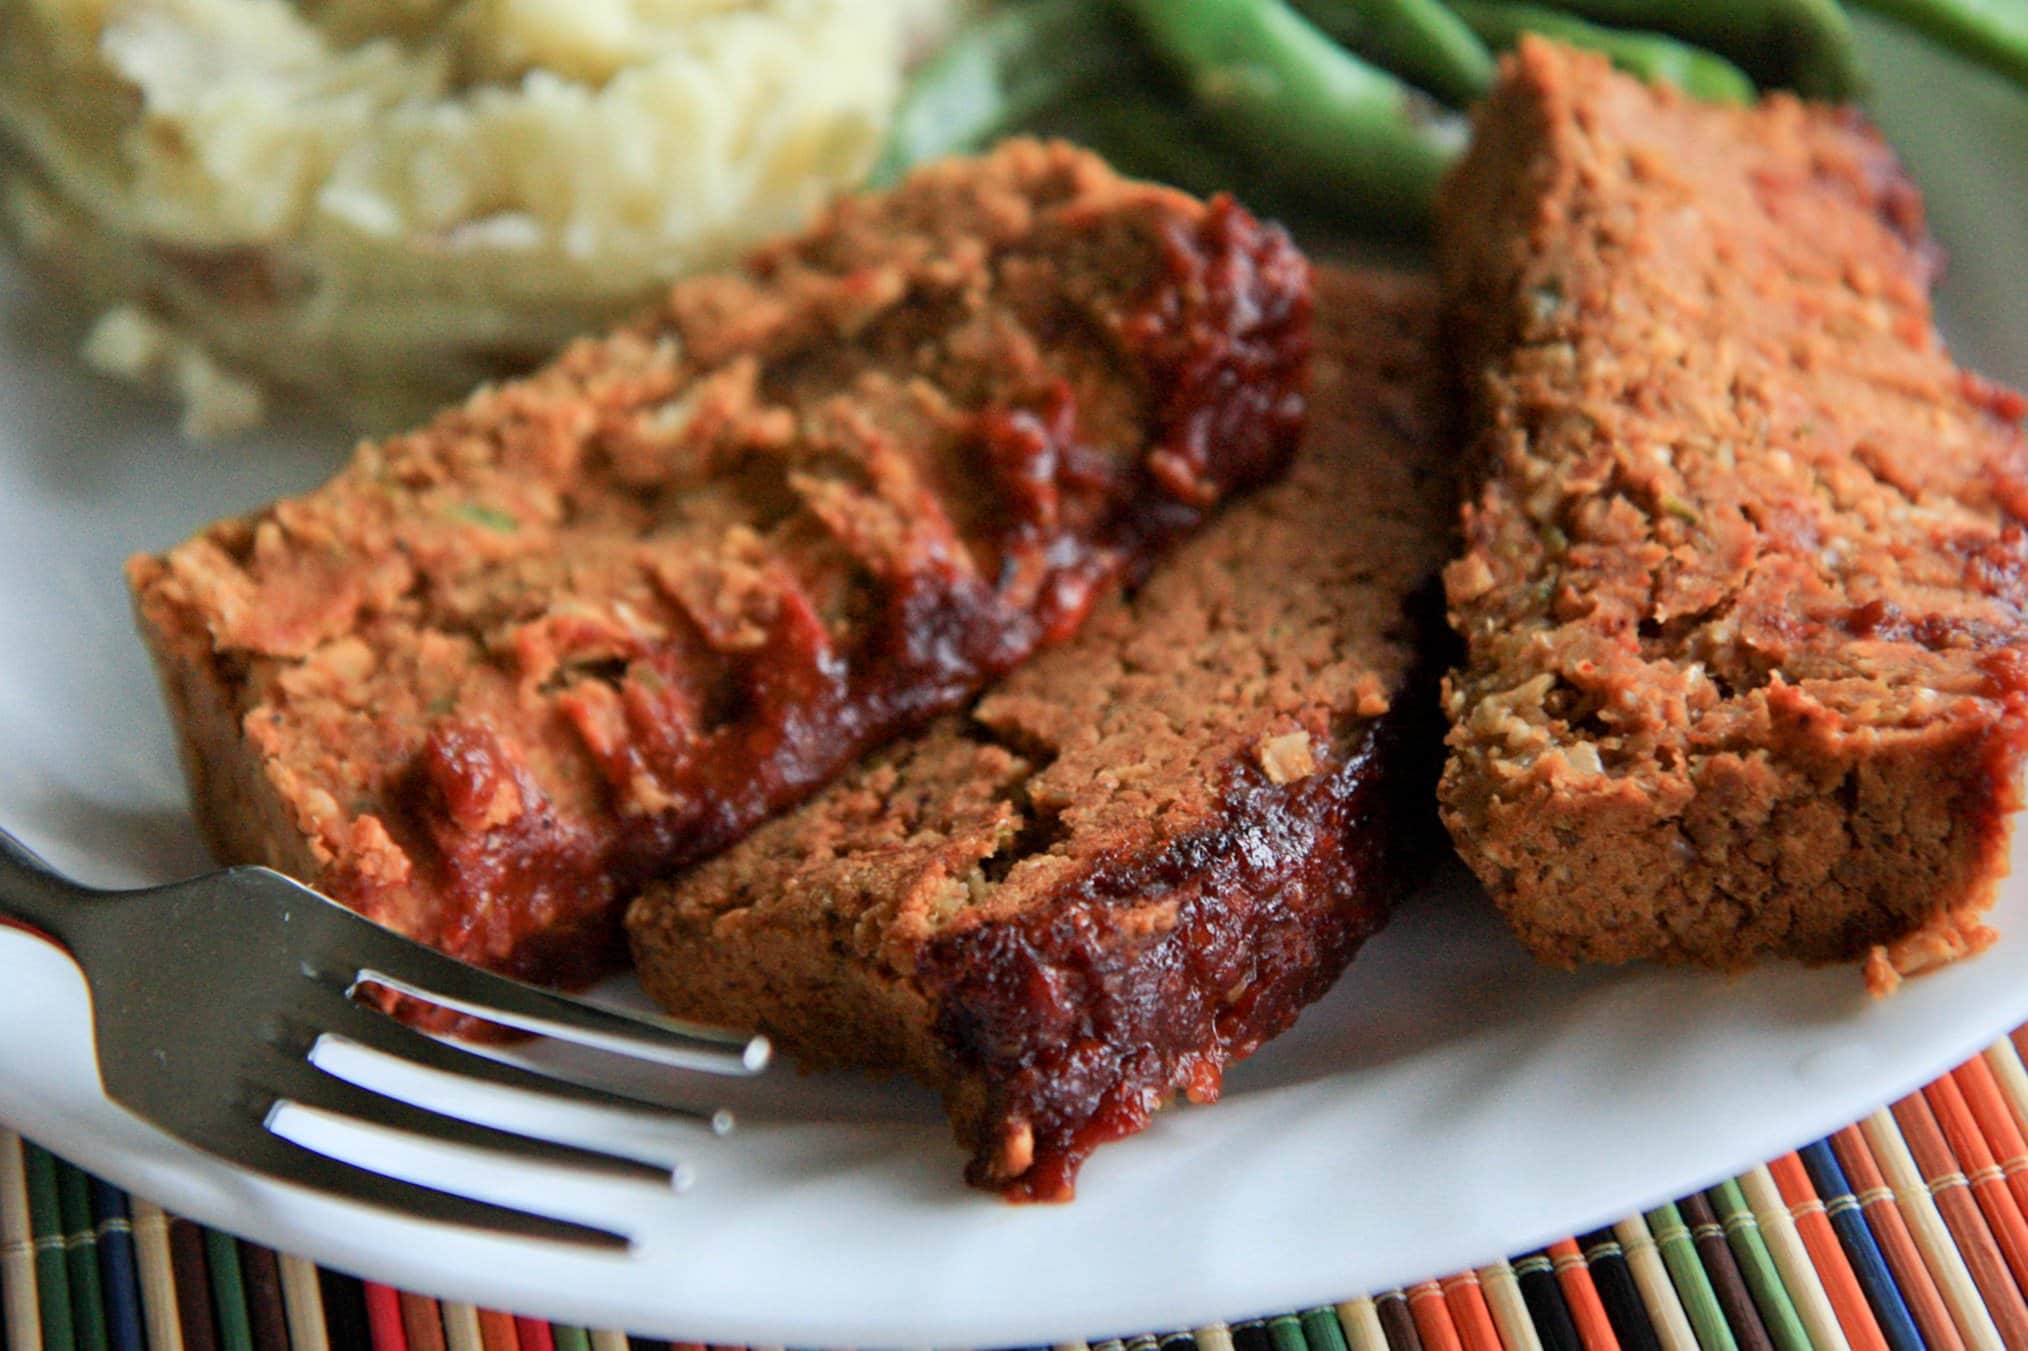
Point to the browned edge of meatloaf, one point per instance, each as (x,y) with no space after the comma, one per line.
(1828,818)
(1083,899)
(237,811)
(1139,399)
(1060,1034)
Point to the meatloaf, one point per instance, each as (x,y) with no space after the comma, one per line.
(1743,573)
(594,624)
(1133,860)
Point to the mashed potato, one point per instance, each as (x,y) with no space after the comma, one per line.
(382,202)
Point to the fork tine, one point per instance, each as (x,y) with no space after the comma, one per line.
(369,1027)
(302,1082)
(282,1159)
(454,985)
(372,953)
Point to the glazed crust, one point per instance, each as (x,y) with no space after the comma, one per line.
(597,623)
(1137,857)
(1742,580)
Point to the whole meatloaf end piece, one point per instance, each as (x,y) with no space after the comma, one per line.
(1742,582)
(1136,858)
(595,624)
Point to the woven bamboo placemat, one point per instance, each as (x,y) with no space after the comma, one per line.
(1908,1229)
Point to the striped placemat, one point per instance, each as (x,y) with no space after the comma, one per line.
(1906,1230)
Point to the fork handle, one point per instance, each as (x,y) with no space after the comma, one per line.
(35,896)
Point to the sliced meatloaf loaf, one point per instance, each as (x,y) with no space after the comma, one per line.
(1137,857)
(594,624)
(1742,580)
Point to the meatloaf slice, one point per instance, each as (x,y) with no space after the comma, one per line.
(1742,582)
(597,623)
(1137,857)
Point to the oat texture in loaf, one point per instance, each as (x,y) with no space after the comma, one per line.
(594,624)
(1742,577)
(1137,857)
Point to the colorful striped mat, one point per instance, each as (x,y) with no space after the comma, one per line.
(1906,1230)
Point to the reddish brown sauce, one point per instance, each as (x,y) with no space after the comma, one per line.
(1080,1034)
(1223,342)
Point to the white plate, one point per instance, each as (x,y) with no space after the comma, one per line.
(1449,1103)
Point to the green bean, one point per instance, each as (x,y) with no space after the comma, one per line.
(1654,57)
(1335,124)
(1993,33)
(1002,70)
(1154,133)
(1419,40)
(1806,45)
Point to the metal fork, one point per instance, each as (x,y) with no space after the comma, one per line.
(210,996)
